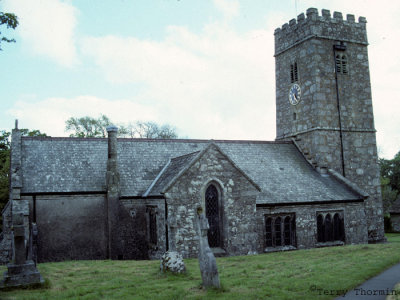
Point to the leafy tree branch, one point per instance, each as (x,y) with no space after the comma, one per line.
(10,20)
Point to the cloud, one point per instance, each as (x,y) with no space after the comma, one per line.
(48,27)
(215,84)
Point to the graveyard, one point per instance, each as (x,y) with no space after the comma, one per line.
(321,273)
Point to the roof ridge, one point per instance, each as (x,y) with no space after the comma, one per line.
(146,193)
(63,138)
(185,155)
(123,139)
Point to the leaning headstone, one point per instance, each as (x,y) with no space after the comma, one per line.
(21,272)
(207,262)
(172,261)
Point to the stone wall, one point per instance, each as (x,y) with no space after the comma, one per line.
(7,237)
(71,227)
(326,26)
(134,229)
(237,200)
(74,227)
(306,222)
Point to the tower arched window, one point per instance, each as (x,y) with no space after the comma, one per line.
(294,74)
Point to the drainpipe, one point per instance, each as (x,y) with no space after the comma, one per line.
(339,47)
(166,225)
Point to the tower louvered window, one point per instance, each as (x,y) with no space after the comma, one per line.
(294,74)
(341,63)
(280,230)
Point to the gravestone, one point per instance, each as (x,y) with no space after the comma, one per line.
(172,260)
(172,224)
(207,262)
(21,272)
(32,253)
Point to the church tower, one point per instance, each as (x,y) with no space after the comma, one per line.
(324,103)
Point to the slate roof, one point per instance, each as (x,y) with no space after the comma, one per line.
(173,167)
(52,165)
(177,166)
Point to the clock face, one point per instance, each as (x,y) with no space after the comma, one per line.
(294,94)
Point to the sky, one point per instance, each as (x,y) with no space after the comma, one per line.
(205,67)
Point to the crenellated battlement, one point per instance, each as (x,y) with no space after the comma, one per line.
(322,26)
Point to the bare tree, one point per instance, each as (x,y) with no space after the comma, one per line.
(91,127)
(150,130)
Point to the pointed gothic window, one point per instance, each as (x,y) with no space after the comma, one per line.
(212,214)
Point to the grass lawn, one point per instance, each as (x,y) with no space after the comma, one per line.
(304,274)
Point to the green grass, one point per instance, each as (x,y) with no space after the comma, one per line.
(303,274)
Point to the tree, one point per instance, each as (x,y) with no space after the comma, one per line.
(4,166)
(389,195)
(390,180)
(11,21)
(5,151)
(91,127)
(88,126)
(150,130)
(390,168)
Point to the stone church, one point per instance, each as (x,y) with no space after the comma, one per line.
(316,185)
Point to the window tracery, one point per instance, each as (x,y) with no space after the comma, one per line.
(330,229)
(280,230)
